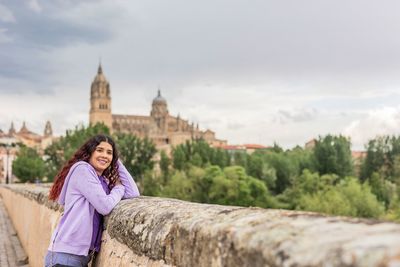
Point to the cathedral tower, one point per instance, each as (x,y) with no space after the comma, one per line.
(159,112)
(100,100)
(48,131)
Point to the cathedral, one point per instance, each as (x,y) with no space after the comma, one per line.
(28,138)
(162,128)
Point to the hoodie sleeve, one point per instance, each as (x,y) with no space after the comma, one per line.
(131,189)
(88,184)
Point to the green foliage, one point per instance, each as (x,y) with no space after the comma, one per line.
(28,166)
(258,167)
(277,149)
(178,158)
(201,183)
(307,183)
(221,158)
(384,190)
(152,184)
(179,186)
(329,202)
(285,169)
(136,154)
(199,153)
(234,187)
(165,163)
(240,159)
(348,198)
(383,157)
(332,154)
(302,158)
(393,212)
(231,186)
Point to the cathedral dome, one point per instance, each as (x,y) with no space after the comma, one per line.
(159,99)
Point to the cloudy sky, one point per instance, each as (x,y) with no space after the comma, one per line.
(256,71)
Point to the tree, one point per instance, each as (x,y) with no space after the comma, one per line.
(383,157)
(258,168)
(153,184)
(136,154)
(308,183)
(384,190)
(179,186)
(196,160)
(349,198)
(28,166)
(332,154)
(376,160)
(285,170)
(221,158)
(234,187)
(165,162)
(178,156)
(200,154)
(240,159)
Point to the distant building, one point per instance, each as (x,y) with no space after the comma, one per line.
(250,148)
(246,148)
(310,144)
(162,128)
(9,145)
(358,158)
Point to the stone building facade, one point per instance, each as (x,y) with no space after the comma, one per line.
(161,127)
(9,145)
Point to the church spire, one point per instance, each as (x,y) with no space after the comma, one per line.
(12,129)
(100,69)
(48,131)
(24,129)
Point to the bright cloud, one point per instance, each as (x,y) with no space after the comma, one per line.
(384,121)
(4,37)
(6,15)
(34,5)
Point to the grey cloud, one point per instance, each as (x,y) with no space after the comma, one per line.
(4,37)
(54,26)
(235,126)
(6,14)
(34,5)
(297,115)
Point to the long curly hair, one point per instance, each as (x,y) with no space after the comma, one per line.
(83,154)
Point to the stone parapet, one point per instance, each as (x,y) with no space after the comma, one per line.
(149,231)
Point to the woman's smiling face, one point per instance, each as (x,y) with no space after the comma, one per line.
(101,157)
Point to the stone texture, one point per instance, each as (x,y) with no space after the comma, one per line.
(191,234)
(114,253)
(11,252)
(172,232)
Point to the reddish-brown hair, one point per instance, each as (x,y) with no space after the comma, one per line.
(83,154)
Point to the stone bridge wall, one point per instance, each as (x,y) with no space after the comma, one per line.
(150,231)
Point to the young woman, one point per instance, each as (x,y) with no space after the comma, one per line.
(89,186)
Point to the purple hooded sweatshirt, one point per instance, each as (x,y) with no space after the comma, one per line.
(86,197)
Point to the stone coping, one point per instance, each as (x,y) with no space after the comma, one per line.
(191,234)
